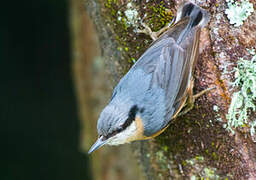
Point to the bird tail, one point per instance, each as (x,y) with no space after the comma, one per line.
(197,15)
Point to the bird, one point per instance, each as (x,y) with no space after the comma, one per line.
(158,86)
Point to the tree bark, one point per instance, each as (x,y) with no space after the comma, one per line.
(195,145)
(93,88)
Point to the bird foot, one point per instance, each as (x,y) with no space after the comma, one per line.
(191,100)
(154,35)
(147,30)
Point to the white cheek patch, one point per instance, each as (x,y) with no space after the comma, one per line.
(121,138)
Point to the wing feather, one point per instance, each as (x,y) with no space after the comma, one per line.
(171,64)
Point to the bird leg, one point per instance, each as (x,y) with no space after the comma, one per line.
(154,35)
(147,30)
(191,98)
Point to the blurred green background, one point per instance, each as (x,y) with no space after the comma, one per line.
(40,129)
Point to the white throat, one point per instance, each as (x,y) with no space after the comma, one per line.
(122,137)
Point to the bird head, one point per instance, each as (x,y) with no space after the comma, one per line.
(119,125)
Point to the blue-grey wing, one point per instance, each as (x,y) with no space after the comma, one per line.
(171,65)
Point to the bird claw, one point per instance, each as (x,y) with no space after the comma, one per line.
(191,99)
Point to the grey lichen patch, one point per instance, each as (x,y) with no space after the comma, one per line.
(217,110)
(210,173)
(195,160)
(125,18)
(162,160)
(199,171)
(131,15)
(252,129)
(243,101)
(238,11)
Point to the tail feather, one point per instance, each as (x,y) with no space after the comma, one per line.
(197,15)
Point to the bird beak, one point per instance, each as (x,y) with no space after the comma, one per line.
(100,142)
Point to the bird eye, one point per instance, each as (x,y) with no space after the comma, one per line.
(104,138)
(131,117)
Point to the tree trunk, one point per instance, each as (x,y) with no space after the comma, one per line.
(196,145)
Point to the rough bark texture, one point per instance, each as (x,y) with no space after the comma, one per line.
(195,145)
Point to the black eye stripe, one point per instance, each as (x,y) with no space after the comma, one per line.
(131,117)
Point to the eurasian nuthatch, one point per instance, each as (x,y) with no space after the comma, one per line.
(157,86)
